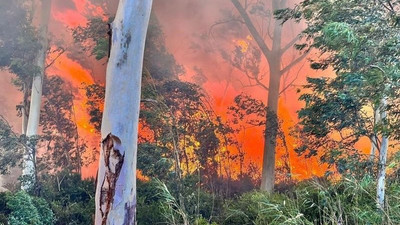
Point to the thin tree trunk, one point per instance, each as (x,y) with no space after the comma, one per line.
(29,170)
(116,186)
(24,113)
(286,158)
(270,135)
(274,58)
(271,129)
(374,141)
(380,190)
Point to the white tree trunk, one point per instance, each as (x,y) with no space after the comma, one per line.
(380,190)
(36,95)
(116,179)
(374,141)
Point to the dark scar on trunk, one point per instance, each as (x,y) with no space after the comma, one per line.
(109,33)
(112,171)
(130,215)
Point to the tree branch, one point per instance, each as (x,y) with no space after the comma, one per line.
(253,31)
(291,83)
(290,44)
(223,22)
(61,51)
(294,62)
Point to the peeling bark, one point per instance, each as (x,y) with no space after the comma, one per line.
(380,189)
(116,186)
(113,160)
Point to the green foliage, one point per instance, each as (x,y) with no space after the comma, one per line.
(355,39)
(202,221)
(95,94)
(70,197)
(94,31)
(46,214)
(261,208)
(149,207)
(23,212)
(11,147)
(26,210)
(348,201)
(18,42)
(154,161)
(190,206)
(4,210)
(64,147)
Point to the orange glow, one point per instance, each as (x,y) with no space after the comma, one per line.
(70,18)
(74,74)
(222,86)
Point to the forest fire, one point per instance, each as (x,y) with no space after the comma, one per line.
(252,140)
(199,112)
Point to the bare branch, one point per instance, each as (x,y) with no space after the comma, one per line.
(253,31)
(290,44)
(294,62)
(223,22)
(61,51)
(255,78)
(294,79)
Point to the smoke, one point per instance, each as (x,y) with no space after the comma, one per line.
(196,32)
(9,98)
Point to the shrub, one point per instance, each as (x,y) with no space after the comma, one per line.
(26,210)
(70,198)
(260,208)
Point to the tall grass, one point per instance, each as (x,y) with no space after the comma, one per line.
(345,202)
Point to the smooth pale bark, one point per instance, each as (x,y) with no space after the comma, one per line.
(374,143)
(24,114)
(36,95)
(116,180)
(274,58)
(380,189)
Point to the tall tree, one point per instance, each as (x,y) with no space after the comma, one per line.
(274,56)
(63,147)
(116,180)
(36,97)
(360,41)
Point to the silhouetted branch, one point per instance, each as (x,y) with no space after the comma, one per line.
(294,62)
(253,31)
(290,44)
(291,83)
(61,51)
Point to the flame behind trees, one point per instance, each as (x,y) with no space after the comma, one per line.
(266,42)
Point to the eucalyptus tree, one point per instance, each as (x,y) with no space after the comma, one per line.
(23,49)
(360,41)
(32,126)
(268,41)
(116,179)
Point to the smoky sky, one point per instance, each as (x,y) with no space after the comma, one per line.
(64,5)
(191,35)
